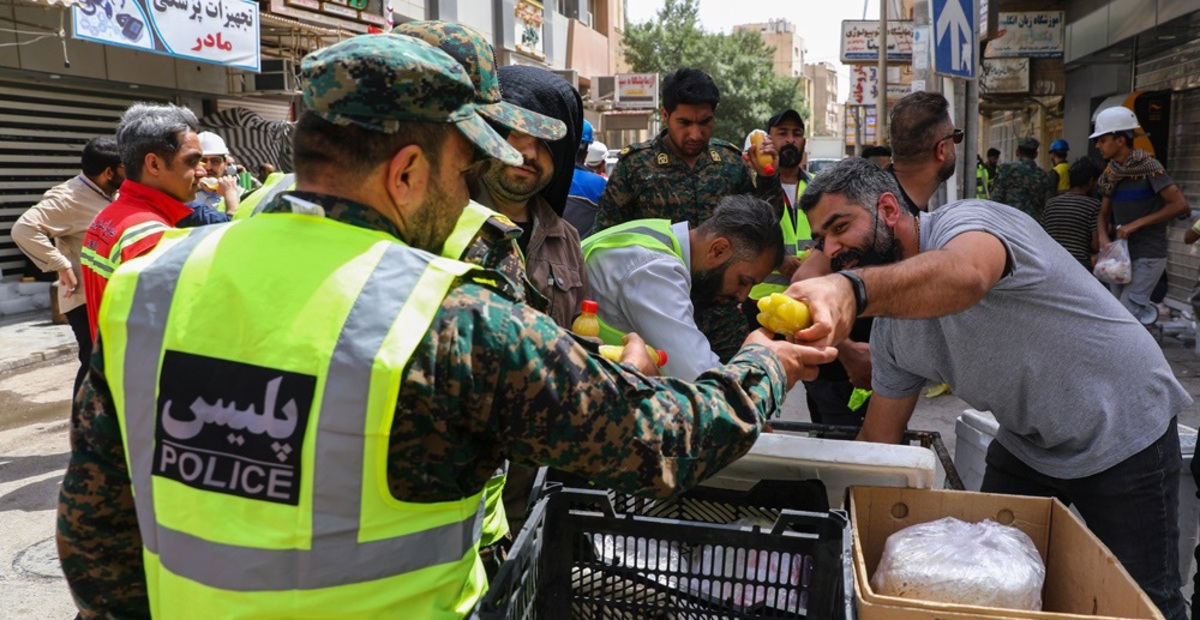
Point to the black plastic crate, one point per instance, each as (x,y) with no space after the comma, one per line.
(579,557)
(931,440)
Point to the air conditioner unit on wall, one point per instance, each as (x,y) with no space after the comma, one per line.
(603,88)
(277,75)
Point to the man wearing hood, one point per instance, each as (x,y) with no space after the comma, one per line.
(534,194)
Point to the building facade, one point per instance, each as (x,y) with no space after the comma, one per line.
(57,91)
(827,112)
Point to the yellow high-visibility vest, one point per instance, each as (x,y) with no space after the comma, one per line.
(258,449)
(654,234)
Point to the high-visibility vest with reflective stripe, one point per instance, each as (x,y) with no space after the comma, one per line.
(495,519)
(473,217)
(346,320)
(982,180)
(652,234)
(276,183)
(104,266)
(794,234)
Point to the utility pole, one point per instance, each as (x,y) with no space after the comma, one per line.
(881,111)
(971,145)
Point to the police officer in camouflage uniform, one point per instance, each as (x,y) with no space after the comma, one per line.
(380,158)
(681,175)
(1022,183)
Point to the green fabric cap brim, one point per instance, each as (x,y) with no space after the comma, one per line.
(482,135)
(525,121)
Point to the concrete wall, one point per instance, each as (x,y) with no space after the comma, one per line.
(1086,87)
(589,53)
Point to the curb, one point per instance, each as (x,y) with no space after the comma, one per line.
(37,357)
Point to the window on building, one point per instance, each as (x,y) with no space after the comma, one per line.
(582,10)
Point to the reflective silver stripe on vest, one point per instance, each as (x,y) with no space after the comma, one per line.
(336,557)
(789,249)
(284,184)
(662,238)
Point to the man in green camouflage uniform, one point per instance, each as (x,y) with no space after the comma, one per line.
(1022,183)
(681,175)
(489,379)
(495,247)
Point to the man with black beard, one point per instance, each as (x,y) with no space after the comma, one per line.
(923,157)
(974,294)
(923,138)
(651,276)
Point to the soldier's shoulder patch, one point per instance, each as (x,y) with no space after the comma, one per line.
(662,159)
(634,148)
(717,144)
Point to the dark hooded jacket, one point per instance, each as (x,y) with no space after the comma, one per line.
(541,91)
(553,258)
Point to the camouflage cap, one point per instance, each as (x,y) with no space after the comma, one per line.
(476,55)
(1028,143)
(377,81)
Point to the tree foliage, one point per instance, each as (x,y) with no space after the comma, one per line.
(740,63)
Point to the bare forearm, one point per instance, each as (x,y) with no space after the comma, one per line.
(932,284)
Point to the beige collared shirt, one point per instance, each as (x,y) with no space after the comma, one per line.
(51,232)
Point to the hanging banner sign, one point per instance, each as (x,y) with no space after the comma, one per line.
(1033,33)
(636,91)
(860,41)
(223,32)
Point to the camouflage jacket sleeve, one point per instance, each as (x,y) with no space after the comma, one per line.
(99,544)
(507,382)
(619,192)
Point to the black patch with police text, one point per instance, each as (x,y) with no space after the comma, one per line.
(230,427)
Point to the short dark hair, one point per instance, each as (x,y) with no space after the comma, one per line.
(1024,152)
(914,125)
(689,86)
(152,128)
(876,150)
(1083,170)
(353,151)
(99,154)
(750,225)
(1129,136)
(859,180)
(993,152)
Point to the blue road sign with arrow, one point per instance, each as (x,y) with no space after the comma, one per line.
(954,39)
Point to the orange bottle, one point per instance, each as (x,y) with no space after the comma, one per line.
(764,160)
(587,324)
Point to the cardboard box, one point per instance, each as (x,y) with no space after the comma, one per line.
(1083,578)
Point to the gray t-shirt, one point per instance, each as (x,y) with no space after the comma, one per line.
(1075,382)
(1137,198)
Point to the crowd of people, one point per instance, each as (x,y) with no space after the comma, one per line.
(329,393)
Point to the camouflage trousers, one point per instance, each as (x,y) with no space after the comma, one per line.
(725,327)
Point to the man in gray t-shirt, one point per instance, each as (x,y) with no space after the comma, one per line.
(976,295)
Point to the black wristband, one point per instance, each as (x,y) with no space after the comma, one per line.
(860,292)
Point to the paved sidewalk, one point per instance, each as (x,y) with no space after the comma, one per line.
(30,338)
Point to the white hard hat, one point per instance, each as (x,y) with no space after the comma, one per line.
(1116,118)
(597,151)
(212,144)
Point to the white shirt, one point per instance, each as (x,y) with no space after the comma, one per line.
(648,292)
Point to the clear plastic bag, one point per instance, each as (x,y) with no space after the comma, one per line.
(952,561)
(1114,265)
